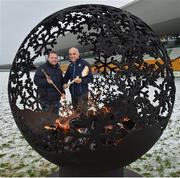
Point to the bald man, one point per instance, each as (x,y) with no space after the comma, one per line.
(78,89)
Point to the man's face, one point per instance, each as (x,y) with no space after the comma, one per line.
(53,58)
(73,55)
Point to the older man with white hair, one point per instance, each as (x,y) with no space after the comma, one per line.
(79,73)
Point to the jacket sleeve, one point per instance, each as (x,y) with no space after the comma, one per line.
(88,78)
(67,75)
(40,79)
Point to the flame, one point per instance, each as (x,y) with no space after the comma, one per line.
(92,112)
(109,127)
(49,127)
(106,109)
(125,119)
(65,126)
(63,121)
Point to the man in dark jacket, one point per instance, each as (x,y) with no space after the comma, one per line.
(78,89)
(45,76)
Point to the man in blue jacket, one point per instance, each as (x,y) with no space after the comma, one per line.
(45,76)
(79,88)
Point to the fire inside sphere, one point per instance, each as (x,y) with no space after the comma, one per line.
(130,100)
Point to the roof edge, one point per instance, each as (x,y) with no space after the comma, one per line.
(129,4)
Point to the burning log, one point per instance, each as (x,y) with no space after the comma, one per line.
(50,127)
(128,123)
(108,127)
(62,123)
(92,112)
(65,127)
(76,121)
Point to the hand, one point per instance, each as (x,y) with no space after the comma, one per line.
(77,80)
(65,86)
(49,81)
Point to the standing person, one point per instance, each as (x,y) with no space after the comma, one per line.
(45,76)
(79,88)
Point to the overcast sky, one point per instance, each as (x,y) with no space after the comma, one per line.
(19,17)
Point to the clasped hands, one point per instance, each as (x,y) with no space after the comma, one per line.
(76,80)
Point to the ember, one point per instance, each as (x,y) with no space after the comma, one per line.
(62,123)
(70,120)
(130,101)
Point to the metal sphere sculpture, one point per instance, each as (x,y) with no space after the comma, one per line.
(135,91)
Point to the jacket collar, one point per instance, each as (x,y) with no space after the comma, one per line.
(50,65)
(77,62)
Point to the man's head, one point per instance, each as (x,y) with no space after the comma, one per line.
(53,57)
(73,54)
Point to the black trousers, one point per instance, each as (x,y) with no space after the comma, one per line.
(80,103)
(53,107)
